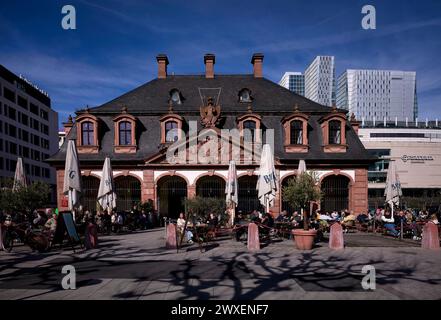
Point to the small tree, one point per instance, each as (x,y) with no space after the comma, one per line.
(34,196)
(200,208)
(300,191)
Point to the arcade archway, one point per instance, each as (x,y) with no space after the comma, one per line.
(171,195)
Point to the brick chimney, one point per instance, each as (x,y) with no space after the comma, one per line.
(257,61)
(68,125)
(162,65)
(209,61)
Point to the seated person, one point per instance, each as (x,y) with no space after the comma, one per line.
(267,220)
(348,220)
(283,216)
(181,224)
(239,218)
(434,219)
(50,226)
(324,216)
(363,218)
(335,215)
(267,223)
(296,219)
(40,219)
(389,223)
(255,216)
(213,221)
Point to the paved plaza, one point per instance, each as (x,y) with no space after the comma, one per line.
(138,266)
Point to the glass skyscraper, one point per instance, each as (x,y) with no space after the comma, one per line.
(294,81)
(378,94)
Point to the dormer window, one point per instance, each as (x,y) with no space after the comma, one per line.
(296,132)
(171,131)
(171,127)
(245,96)
(87,133)
(249,131)
(125,130)
(125,133)
(175,96)
(296,128)
(334,132)
(250,126)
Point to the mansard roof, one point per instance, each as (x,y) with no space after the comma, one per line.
(150,102)
(153,97)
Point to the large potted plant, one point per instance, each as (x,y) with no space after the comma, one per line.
(299,193)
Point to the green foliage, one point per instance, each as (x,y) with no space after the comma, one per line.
(300,191)
(200,207)
(35,196)
(147,206)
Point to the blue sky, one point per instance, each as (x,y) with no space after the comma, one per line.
(114,47)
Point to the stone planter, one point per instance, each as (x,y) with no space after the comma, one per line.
(304,239)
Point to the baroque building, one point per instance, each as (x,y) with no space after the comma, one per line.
(172,138)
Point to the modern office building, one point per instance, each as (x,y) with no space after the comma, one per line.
(415,147)
(378,94)
(320,80)
(28,128)
(138,129)
(294,81)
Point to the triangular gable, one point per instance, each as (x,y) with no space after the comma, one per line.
(244,154)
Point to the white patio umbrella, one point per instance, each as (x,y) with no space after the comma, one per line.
(106,193)
(231,195)
(302,167)
(393,187)
(267,181)
(72,176)
(20,176)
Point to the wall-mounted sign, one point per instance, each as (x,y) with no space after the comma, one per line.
(416,159)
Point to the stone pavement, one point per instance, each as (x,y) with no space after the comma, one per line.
(138,266)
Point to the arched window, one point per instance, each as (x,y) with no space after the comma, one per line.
(90,186)
(171,131)
(296,134)
(87,134)
(335,191)
(125,133)
(334,132)
(128,192)
(249,130)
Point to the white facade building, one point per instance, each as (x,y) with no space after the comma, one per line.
(294,81)
(320,80)
(377,94)
(415,147)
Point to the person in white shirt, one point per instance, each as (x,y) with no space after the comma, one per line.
(389,223)
(180,223)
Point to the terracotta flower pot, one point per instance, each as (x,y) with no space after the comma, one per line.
(304,239)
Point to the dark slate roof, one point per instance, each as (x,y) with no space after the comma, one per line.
(153,96)
(150,101)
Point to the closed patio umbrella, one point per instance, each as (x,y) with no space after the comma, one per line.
(19,177)
(106,193)
(231,197)
(267,181)
(302,167)
(393,190)
(72,176)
